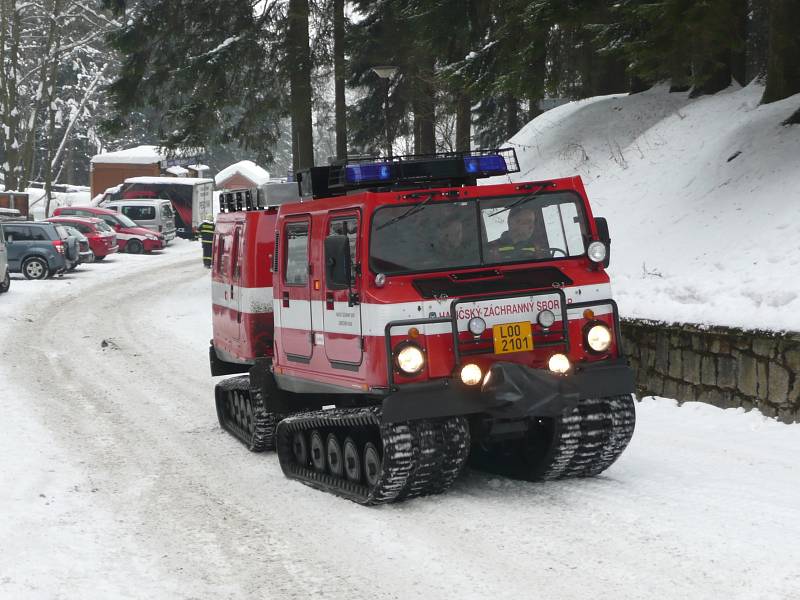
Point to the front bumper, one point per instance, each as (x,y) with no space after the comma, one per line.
(514,391)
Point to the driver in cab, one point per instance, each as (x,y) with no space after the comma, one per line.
(519,241)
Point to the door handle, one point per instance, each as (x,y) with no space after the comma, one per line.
(329,301)
(286,299)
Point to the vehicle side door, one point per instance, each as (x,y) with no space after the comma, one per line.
(17,241)
(342,310)
(295,301)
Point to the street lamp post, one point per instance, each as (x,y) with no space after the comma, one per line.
(386,73)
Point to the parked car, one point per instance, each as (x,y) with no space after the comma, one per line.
(35,248)
(102,239)
(156,214)
(5,278)
(85,253)
(130,236)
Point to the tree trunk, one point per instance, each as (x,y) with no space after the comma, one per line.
(339,79)
(783,66)
(512,116)
(425,107)
(300,82)
(463,122)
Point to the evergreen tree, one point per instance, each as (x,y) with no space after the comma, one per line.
(783,66)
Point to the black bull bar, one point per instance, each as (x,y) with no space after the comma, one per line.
(513,390)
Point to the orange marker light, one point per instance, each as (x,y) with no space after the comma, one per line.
(413,332)
(316,284)
(588,314)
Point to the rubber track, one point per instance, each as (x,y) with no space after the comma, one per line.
(592,436)
(419,457)
(241,413)
(581,443)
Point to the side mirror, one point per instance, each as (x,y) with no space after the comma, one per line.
(602,231)
(337,262)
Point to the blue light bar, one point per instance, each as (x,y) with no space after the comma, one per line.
(488,163)
(367,172)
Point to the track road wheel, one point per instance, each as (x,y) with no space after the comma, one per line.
(352,460)
(334,455)
(372,463)
(300,448)
(317,447)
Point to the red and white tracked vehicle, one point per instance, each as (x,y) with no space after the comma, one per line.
(398,319)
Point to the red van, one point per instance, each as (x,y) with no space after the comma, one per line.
(131,238)
(102,239)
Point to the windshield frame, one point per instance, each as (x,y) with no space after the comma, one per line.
(538,198)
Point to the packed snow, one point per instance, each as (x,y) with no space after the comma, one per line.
(702,198)
(117,481)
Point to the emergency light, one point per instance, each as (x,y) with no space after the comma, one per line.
(362,173)
(489,164)
(411,170)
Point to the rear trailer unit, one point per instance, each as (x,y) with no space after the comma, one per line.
(396,320)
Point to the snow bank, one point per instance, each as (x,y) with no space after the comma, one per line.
(702,198)
(246,168)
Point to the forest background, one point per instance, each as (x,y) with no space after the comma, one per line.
(291,83)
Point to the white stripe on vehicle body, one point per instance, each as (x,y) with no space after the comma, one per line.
(257,300)
(374,317)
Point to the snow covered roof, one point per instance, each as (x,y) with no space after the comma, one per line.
(198,167)
(246,168)
(176,170)
(140,155)
(170,180)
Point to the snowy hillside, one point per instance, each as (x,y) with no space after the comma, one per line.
(702,198)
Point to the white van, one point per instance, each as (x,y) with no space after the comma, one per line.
(154,214)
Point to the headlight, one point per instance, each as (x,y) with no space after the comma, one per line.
(597,252)
(471,374)
(151,237)
(546,318)
(476,326)
(558,363)
(410,359)
(598,337)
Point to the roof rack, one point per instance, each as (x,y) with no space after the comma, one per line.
(446,169)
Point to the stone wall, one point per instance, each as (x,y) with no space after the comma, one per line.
(723,366)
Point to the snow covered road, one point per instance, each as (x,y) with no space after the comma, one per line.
(117,482)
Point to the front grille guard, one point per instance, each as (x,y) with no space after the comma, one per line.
(459,352)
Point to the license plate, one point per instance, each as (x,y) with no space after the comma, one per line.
(512,337)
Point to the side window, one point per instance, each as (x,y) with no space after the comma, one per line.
(235,254)
(220,247)
(114,208)
(296,260)
(16,233)
(38,234)
(109,219)
(140,213)
(84,229)
(68,211)
(347,226)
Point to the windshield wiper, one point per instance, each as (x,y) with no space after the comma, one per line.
(523,199)
(411,211)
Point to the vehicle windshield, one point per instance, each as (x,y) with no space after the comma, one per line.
(126,221)
(166,211)
(490,231)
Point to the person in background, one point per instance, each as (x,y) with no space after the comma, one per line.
(206,230)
